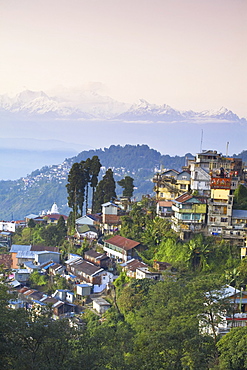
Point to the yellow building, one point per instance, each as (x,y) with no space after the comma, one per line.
(170,184)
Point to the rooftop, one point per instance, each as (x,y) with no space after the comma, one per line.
(123,243)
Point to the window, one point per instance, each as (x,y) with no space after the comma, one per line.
(223,219)
(182,186)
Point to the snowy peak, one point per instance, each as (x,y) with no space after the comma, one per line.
(81,104)
(144,111)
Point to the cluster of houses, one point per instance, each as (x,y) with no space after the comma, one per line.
(200,198)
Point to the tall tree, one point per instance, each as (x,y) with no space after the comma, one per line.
(86,170)
(94,172)
(105,190)
(128,186)
(76,187)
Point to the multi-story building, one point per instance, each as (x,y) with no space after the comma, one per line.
(211,178)
(170,184)
(189,214)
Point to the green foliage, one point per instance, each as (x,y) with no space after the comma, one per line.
(200,254)
(38,279)
(240,197)
(232,349)
(128,186)
(31,223)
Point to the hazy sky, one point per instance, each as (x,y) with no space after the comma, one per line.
(190,54)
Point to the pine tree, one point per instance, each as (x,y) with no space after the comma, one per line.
(95,166)
(105,190)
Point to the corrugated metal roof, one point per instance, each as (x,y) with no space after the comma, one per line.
(239,213)
(17,247)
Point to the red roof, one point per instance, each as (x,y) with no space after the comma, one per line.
(183,198)
(55,216)
(121,242)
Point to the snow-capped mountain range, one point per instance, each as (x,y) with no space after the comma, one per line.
(92,106)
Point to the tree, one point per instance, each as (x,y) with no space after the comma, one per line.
(128,186)
(94,172)
(31,223)
(61,227)
(240,197)
(76,187)
(232,349)
(105,190)
(86,169)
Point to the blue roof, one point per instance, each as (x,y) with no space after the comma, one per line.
(20,248)
(239,213)
(25,254)
(51,264)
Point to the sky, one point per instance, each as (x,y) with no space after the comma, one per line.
(189,54)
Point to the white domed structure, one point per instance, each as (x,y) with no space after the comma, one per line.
(54,209)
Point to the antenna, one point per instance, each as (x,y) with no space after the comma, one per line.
(227,145)
(201,142)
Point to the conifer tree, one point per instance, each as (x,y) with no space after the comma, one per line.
(95,166)
(105,190)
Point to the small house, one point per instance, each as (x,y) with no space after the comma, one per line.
(101,305)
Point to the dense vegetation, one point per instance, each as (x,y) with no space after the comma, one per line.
(156,325)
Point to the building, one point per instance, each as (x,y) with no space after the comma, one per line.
(101,305)
(170,184)
(120,248)
(85,271)
(98,259)
(110,217)
(189,214)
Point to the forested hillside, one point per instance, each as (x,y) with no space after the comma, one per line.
(39,190)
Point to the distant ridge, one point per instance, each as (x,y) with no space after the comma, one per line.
(90,106)
(38,191)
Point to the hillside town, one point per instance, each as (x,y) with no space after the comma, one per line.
(199,199)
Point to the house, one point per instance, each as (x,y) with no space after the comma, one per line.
(83,290)
(101,305)
(29,217)
(5,239)
(189,214)
(161,266)
(53,218)
(237,315)
(144,273)
(170,184)
(99,259)
(15,248)
(56,269)
(85,271)
(88,219)
(23,253)
(63,309)
(86,232)
(64,295)
(44,256)
(164,208)
(120,248)
(110,217)
(22,275)
(8,226)
(131,266)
